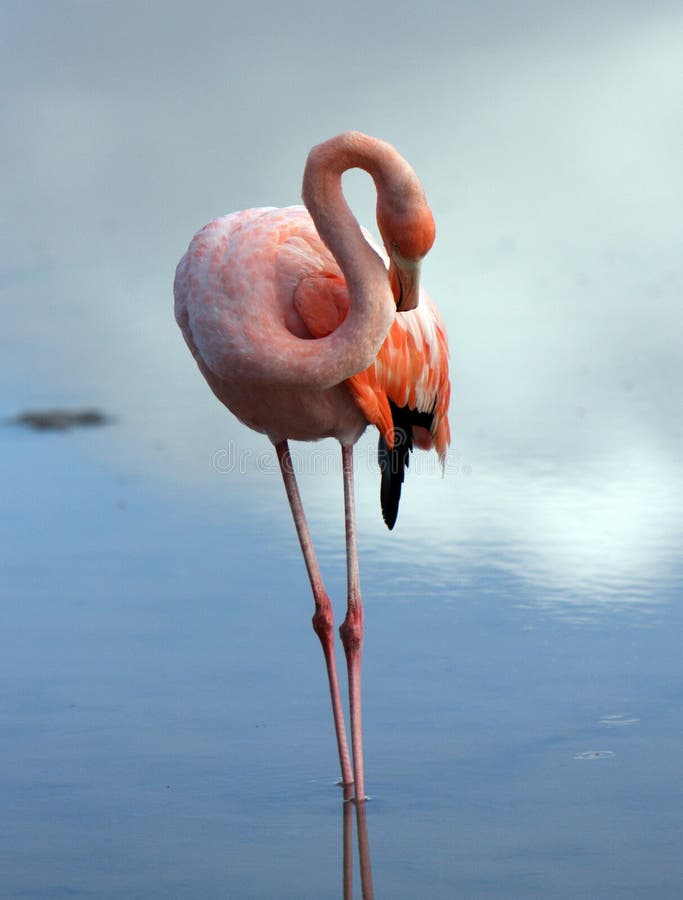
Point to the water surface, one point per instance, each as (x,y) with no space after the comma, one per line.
(167,730)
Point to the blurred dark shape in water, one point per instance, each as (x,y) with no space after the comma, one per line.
(60,419)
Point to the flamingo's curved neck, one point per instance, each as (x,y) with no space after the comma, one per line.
(336,224)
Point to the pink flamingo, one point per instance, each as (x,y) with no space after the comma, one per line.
(303,333)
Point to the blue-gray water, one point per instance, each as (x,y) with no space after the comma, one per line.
(166,730)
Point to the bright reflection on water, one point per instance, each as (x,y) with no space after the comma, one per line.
(604,533)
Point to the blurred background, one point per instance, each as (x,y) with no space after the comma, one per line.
(142,558)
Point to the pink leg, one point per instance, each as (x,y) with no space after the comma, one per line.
(351,633)
(351,630)
(323,619)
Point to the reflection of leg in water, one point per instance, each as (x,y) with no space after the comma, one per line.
(348,807)
(347,841)
(364,851)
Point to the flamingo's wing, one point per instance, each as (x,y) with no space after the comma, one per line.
(322,301)
(406,393)
(411,371)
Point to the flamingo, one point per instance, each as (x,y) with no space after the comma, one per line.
(303,329)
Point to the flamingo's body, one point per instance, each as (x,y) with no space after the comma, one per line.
(303,333)
(251,276)
(252,263)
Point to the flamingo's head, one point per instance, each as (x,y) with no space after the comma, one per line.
(407,227)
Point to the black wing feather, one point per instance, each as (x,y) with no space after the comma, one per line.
(393,463)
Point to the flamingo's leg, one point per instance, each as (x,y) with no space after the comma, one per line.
(351,633)
(323,619)
(351,630)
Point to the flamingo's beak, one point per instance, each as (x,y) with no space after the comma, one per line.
(404,277)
